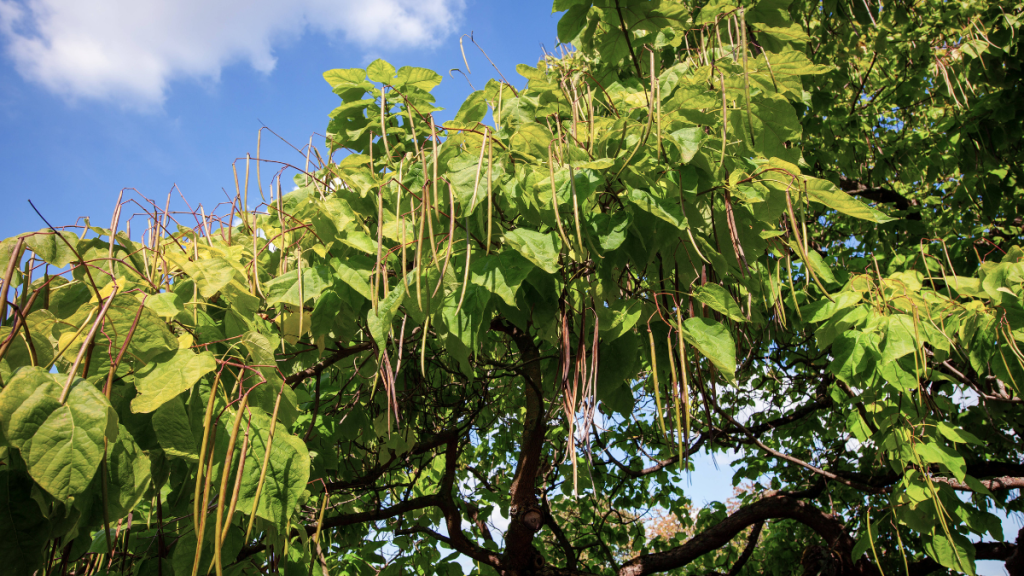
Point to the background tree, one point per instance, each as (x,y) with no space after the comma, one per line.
(546,306)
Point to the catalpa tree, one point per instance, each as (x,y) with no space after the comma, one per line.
(786,229)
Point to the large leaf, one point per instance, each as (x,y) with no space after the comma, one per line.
(285,289)
(502,274)
(287,472)
(167,376)
(24,530)
(720,300)
(714,341)
(668,209)
(61,444)
(173,430)
(825,193)
(541,249)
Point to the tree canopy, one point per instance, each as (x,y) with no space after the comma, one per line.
(783,229)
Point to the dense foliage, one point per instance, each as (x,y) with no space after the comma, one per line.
(786,229)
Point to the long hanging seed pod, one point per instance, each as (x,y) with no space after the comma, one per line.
(725,120)
(685,386)
(746,72)
(472,203)
(201,527)
(419,244)
(656,97)
(654,374)
(674,393)
(224,473)
(379,269)
(266,461)
(490,194)
(233,505)
(554,198)
(401,219)
(383,128)
(433,201)
(451,240)
(576,212)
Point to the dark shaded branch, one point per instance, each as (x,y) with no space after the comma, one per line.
(519,550)
(420,447)
(320,366)
(755,534)
(453,518)
(884,195)
(771,506)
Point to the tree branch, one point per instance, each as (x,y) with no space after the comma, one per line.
(319,367)
(771,506)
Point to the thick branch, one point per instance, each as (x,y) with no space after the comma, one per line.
(519,550)
(884,195)
(320,366)
(771,506)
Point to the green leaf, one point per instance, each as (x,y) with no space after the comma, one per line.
(380,71)
(473,109)
(165,305)
(957,434)
(667,209)
(167,376)
(617,367)
(287,472)
(825,193)
(342,76)
(285,289)
(720,300)
(610,229)
(618,318)
(356,279)
(211,275)
(957,555)
(51,248)
(937,453)
(572,22)
(62,445)
(420,78)
(688,140)
(173,430)
(128,474)
(24,531)
(501,274)
(714,341)
(541,249)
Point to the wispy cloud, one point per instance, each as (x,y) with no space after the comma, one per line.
(130,50)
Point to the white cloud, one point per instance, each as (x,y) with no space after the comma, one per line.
(130,50)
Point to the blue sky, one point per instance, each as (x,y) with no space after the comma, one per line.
(99,99)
